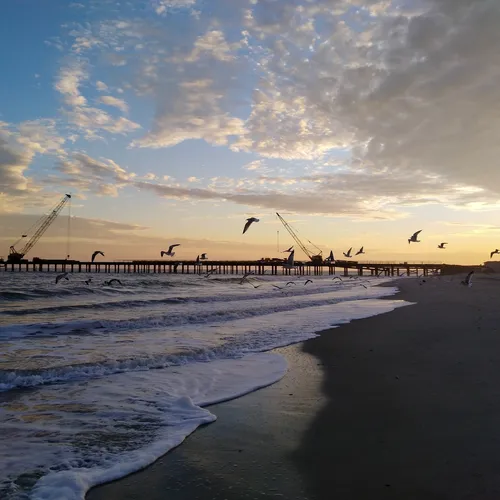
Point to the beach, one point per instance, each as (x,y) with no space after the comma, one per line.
(399,405)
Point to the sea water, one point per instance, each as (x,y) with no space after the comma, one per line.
(98,381)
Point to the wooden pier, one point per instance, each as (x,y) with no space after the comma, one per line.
(344,268)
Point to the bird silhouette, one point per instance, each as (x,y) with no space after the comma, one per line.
(59,277)
(97,252)
(360,251)
(442,245)
(289,250)
(468,280)
(249,223)
(169,251)
(348,254)
(494,252)
(413,238)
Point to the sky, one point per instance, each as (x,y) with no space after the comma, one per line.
(172,121)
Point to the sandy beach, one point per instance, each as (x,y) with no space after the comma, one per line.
(401,405)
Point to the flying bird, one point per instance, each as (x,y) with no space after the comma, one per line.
(291,283)
(494,252)
(59,277)
(203,256)
(468,280)
(442,245)
(308,281)
(114,280)
(348,254)
(289,250)
(97,252)
(288,264)
(414,237)
(245,276)
(360,251)
(197,261)
(249,223)
(87,282)
(337,278)
(169,251)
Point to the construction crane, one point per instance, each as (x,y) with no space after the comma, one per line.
(315,259)
(39,227)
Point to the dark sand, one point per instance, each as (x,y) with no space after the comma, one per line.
(404,405)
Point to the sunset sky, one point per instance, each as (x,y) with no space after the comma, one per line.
(172,121)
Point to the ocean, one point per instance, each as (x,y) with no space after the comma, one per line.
(98,381)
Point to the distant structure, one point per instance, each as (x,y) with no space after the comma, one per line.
(492,266)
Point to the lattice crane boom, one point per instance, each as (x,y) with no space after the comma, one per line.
(293,234)
(41,226)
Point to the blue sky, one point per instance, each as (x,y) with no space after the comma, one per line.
(180,118)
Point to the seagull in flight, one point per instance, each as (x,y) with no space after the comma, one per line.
(114,280)
(442,245)
(289,250)
(59,277)
(337,278)
(87,282)
(245,276)
(308,281)
(414,237)
(169,251)
(96,253)
(360,251)
(289,261)
(291,283)
(249,223)
(203,256)
(348,254)
(197,261)
(494,252)
(468,280)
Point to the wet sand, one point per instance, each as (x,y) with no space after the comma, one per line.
(404,405)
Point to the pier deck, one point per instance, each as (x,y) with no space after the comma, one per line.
(223,267)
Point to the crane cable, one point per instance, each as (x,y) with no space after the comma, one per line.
(69,231)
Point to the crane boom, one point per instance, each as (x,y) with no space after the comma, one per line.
(42,225)
(293,234)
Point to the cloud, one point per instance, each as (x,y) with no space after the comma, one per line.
(115,102)
(101,86)
(162,7)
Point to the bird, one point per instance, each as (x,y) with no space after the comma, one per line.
(288,264)
(337,278)
(308,281)
(245,276)
(59,277)
(278,287)
(442,245)
(169,251)
(94,255)
(468,280)
(197,261)
(494,252)
(176,266)
(110,282)
(291,283)
(249,223)
(363,285)
(360,251)
(289,250)
(330,258)
(413,238)
(87,282)
(203,256)
(348,254)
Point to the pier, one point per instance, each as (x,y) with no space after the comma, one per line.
(344,268)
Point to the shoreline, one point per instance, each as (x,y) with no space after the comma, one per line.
(399,405)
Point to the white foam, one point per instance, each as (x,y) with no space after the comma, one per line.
(171,399)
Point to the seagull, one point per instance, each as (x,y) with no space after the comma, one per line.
(203,256)
(169,251)
(289,250)
(291,283)
(59,277)
(414,237)
(494,252)
(360,251)
(87,282)
(468,280)
(94,255)
(289,261)
(337,278)
(278,287)
(110,282)
(308,281)
(442,245)
(245,276)
(348,254)
(249,223)
(363,285)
